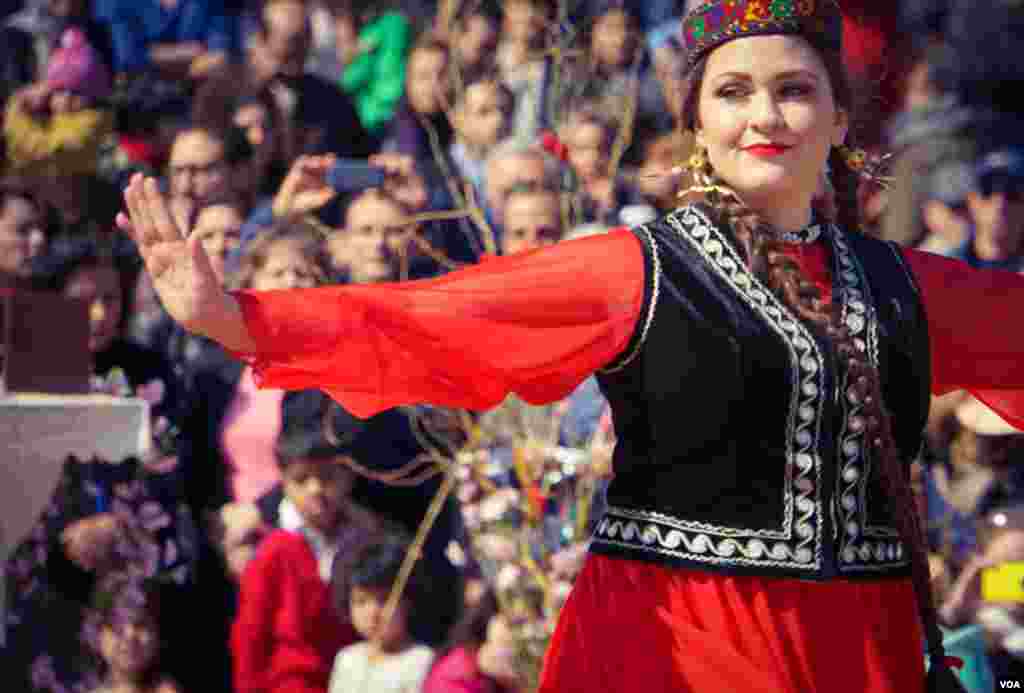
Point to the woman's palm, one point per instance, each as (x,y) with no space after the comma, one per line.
(179,268)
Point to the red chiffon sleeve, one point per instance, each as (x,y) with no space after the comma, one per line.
(534,324)
(976,331)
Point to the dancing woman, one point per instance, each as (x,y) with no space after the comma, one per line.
(769,372)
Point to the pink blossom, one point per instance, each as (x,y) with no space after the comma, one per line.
(568,562)
(153,392)
(468,492)
(153,517)
(471,516)
(508,577)
(44,675)
(170,552)
(497,547)
(497,504)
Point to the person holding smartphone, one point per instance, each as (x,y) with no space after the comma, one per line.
(766,540)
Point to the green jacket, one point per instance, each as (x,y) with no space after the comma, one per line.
(375,79)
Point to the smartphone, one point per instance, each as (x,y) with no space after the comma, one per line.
(353,175)
(1003,583)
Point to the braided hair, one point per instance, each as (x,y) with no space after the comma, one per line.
(763,250)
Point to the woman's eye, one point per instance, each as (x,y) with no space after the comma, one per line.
(796,90)
(731,92)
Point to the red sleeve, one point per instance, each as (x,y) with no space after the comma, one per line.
(252,630)
(975,331)
(535,324)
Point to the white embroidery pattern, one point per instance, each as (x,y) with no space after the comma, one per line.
(649,318)
(857,551)
(798,543)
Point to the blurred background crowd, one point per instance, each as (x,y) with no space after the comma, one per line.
(257,546)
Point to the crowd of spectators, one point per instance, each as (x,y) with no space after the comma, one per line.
(256,548)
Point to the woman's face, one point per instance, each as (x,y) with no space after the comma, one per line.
(767,116)
(286,267)
(523,22)
(219,227)
(426,79)
(612,40)
(129,648)
(588,150)
(477,40)
(375,230)
(100,288)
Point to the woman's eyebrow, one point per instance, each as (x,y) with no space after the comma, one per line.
(777,77)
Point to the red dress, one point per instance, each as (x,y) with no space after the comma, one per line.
(287,630)
(537,324)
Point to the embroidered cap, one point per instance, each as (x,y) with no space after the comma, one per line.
(718,21)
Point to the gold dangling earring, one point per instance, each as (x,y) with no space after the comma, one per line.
(698,160)
(699,167)
(856,159)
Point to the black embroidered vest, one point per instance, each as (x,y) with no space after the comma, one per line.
(739,449)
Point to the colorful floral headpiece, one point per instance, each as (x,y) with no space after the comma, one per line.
(715,22)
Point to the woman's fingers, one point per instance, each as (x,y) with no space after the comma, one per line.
(141,225)
(164,224)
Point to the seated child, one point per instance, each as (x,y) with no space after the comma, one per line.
(57,127)
(389,660)
(287,630)
(124,630)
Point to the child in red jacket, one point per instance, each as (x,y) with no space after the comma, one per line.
(288,628)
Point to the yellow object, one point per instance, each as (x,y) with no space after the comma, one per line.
(61,144)
(1003,583)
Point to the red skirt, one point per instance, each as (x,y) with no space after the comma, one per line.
(635,626)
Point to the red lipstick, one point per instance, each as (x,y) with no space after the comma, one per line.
(765,150)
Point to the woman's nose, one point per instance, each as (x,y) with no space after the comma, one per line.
(766,116)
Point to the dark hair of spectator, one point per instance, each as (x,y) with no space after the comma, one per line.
(486,75)
(587,113)
(489,10)
(429,41)
(53,270)
(379,564)
(471,630)
(217,100)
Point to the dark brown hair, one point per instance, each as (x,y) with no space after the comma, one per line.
(764,253)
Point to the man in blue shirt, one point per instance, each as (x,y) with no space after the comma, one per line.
(174,38)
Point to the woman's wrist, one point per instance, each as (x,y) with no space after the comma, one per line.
(225,324)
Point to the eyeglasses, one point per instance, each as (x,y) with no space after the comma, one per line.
(196,170)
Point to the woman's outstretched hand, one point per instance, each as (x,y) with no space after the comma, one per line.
(179,267)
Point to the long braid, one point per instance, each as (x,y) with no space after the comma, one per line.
(895,476)
(783,276)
